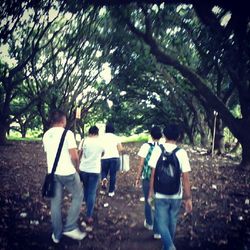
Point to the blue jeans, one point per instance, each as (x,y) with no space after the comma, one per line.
(149,214)
(110,166)
(74,186)
(90,183)
(166,213)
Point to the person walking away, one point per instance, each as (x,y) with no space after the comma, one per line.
(167,206)
(65,176)
(90,169)
(144,174)
(110,160)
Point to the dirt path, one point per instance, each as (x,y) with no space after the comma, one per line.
(220,219)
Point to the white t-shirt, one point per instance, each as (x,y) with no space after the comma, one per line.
(51,141)
(91,156)
(110,142)
(145,148)
(184,165)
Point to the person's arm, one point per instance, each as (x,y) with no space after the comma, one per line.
(187,192)
(74,157)
(80,153)
(80,150)
(152,163)
(139,171)
(151,185)
(120,148)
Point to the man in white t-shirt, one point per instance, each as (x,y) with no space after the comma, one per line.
(143,174)
(110,160)
(167,206)
(90,169)
(65,176)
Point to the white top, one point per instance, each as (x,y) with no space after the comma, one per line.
(91,156)
(184,165)
(144,149)
(51,141)
(110,142)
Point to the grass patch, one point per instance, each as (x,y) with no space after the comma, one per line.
(124,139)
(15,138)
(135,138)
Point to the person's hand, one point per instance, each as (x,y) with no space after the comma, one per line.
(150,195)
(137,182)
(188,205)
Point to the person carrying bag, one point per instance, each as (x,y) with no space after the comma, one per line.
(63,163)
(48,189)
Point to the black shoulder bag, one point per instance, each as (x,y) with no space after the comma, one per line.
(48,189)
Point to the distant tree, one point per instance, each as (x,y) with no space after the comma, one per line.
(20,35)
(147,30)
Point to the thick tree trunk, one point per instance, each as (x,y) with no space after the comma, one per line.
(24,130)
(219,144)
(245,162)
(3,132)
(204,139)
(235,148)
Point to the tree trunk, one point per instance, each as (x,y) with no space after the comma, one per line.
(3,132)
(23,132)
(202,125)
(235,148)
(204,138)
(219,144)
(245,162)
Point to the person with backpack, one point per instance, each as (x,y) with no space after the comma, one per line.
(170,184)
(144,174)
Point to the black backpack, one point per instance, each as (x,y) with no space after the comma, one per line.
(167,173)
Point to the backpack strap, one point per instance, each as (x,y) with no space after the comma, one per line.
(175,150)
(162,148)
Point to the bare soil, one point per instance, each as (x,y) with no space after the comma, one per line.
(220,218)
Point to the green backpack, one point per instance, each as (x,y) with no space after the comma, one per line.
(146,172)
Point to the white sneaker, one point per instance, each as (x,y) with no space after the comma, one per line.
(75,234)
(111,194)
(102,192)
(54,239)
(89,229)
(104,183)
(157,236)
(146,225)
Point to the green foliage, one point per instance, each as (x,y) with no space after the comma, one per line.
(135,138)
(55,59)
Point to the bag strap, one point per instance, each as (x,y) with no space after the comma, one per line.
(58,153)
(175,150)
(162,148)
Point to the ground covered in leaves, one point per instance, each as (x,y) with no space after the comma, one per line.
(220,218)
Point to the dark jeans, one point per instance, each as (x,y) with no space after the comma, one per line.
(90,183)
(149,214)
(110,166)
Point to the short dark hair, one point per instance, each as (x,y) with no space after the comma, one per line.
(56,116)
(155,133)
(93,130)
(109,128)
(172,132)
